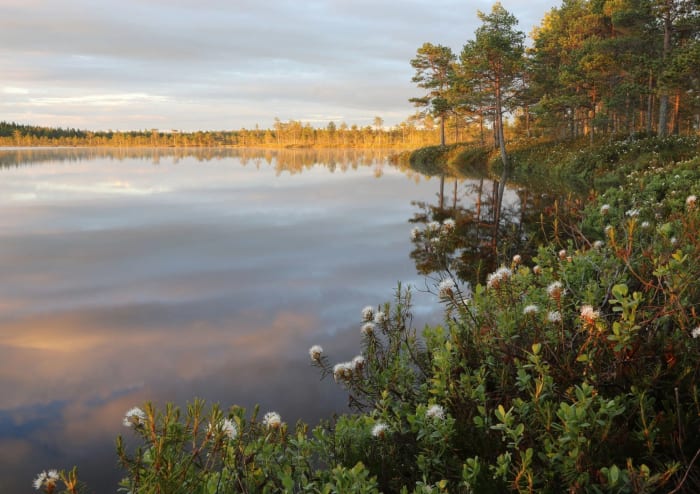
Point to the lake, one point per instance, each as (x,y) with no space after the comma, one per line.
(146,275)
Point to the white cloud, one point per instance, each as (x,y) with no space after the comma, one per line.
(15,90)
(99,99)
(221,64)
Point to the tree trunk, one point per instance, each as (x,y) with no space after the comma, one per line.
(677,112)
(442,130)
(498,124)
(650,103)
(663,98)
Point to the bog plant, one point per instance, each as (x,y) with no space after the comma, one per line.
(574,371)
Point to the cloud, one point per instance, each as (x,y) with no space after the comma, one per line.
(215,64)
(98,100)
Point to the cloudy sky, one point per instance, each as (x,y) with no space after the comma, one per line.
(223,64)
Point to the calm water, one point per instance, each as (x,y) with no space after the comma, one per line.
(137,276)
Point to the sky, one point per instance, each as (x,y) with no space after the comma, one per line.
(224,64)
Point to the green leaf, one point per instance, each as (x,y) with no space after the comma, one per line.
(620,290)
(614,474)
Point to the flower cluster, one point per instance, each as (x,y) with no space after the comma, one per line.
(379,430)
(345,371)
(272,420)
(554,316)
(555,290)
(315,352)
(435,412)
(46,480)
(446,288)
(227,426)
(588,314)
(501,275)
(530,309)
(134,418)
(380,317)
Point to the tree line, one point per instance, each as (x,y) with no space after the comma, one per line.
(291,134)
(595,68)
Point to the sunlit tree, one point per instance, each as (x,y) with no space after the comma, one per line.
(433,64)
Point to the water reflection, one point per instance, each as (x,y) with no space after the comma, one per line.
(209,275)
(493,221)
(293,160)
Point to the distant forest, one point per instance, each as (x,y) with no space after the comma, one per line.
(292,134)
(595,68)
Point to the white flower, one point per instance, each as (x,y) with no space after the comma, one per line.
(588,314)
(632,213)
(46,479)
(343,371)
(537,269)
(446,288)
(696,332)
(433,226)
(645,224)
(674,240)
(609,230)
(134,417)
(228,427)
(358,362)
(368,313)
(517,259)
(691,200)
(415,233)
(315,352)
(604,209)
(368,328)
(562,254)
(502,274)
(272,420)
(530,309)
(598,244)
(554,316)
(435,412)
(555,290)
(39,480)
(380,317)
(448,225)
(379,429)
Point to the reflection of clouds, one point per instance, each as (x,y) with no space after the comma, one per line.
(87,356)
(214,288)
(109,188)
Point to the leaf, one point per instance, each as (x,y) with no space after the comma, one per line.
(620,290)
(614,474)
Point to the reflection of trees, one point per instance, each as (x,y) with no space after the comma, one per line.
(283,160)
(482,237)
